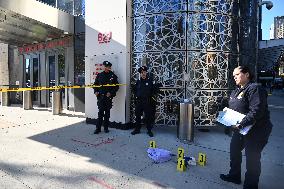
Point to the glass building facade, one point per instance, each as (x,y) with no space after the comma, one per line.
(279,27)
(191,48)
(74,7)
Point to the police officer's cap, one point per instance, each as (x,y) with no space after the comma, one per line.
(107,63)
(142,68)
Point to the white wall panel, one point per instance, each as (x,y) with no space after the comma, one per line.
(105,16)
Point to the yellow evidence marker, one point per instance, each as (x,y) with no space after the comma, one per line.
(152,144)
(201,159)
(181,164)
(180,153)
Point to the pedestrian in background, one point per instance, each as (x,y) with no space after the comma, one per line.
(105,95)
(144,91)
(249,99)
(270,86)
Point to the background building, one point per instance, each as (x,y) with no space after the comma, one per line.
(279,27)
(45,44)
(271,32)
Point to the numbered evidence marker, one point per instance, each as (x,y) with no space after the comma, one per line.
(152,144)
(181,164)
(201,159)
(180,153)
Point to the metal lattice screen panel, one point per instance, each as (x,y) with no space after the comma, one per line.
(207,70)
(206,104)
(186,44)
(209,32)
(166,68)
(159,32)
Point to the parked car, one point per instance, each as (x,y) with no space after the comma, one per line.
(278,83)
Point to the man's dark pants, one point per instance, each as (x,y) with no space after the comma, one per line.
(104,106)
(144,105)
(253,150)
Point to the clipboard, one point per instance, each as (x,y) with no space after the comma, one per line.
(229,117)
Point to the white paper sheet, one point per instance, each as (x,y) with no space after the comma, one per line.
(229,117)
(245,130)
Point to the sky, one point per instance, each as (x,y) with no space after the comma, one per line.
(268,16)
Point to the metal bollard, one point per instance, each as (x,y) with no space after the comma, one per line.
(27,100)
(5,99)
(185,129)
(56,103)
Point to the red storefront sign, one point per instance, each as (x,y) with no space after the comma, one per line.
(104,37)
(48,45)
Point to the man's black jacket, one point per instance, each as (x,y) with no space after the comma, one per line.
(105,78)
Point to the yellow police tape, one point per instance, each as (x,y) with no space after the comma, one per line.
(56,87)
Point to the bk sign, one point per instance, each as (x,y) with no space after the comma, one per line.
(104,37)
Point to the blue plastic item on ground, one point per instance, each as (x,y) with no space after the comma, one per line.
(159,155)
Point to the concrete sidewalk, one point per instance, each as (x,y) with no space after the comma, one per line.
(40,150)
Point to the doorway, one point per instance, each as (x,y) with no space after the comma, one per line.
(56,74)
(32,75)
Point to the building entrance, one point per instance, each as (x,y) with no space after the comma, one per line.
(45,73)
(46,65)
(31,76)
(56,74)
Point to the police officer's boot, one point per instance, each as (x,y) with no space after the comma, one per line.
(97,131)
(150,133)
(149,128)
(106,129)
(229,178)
(106,124)
(136,131)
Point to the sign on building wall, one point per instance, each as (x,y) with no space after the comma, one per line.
(64,42)
(104,37)
(96,65)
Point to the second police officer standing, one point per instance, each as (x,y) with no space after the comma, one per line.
(249,99)
(144,91)
(104,95)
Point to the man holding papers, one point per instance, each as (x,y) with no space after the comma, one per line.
(251,132)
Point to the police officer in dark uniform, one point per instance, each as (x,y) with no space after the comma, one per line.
(249,99)
(104,95)
(144,91)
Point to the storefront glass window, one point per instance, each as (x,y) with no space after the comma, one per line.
(35,72)
(51,60)
(28,73)
(61,67)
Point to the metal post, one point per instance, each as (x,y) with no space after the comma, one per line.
(56,103)
(5,99)
(256,45)
(185,129)
(27,100)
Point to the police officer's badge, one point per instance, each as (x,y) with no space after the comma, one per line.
(241,95)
